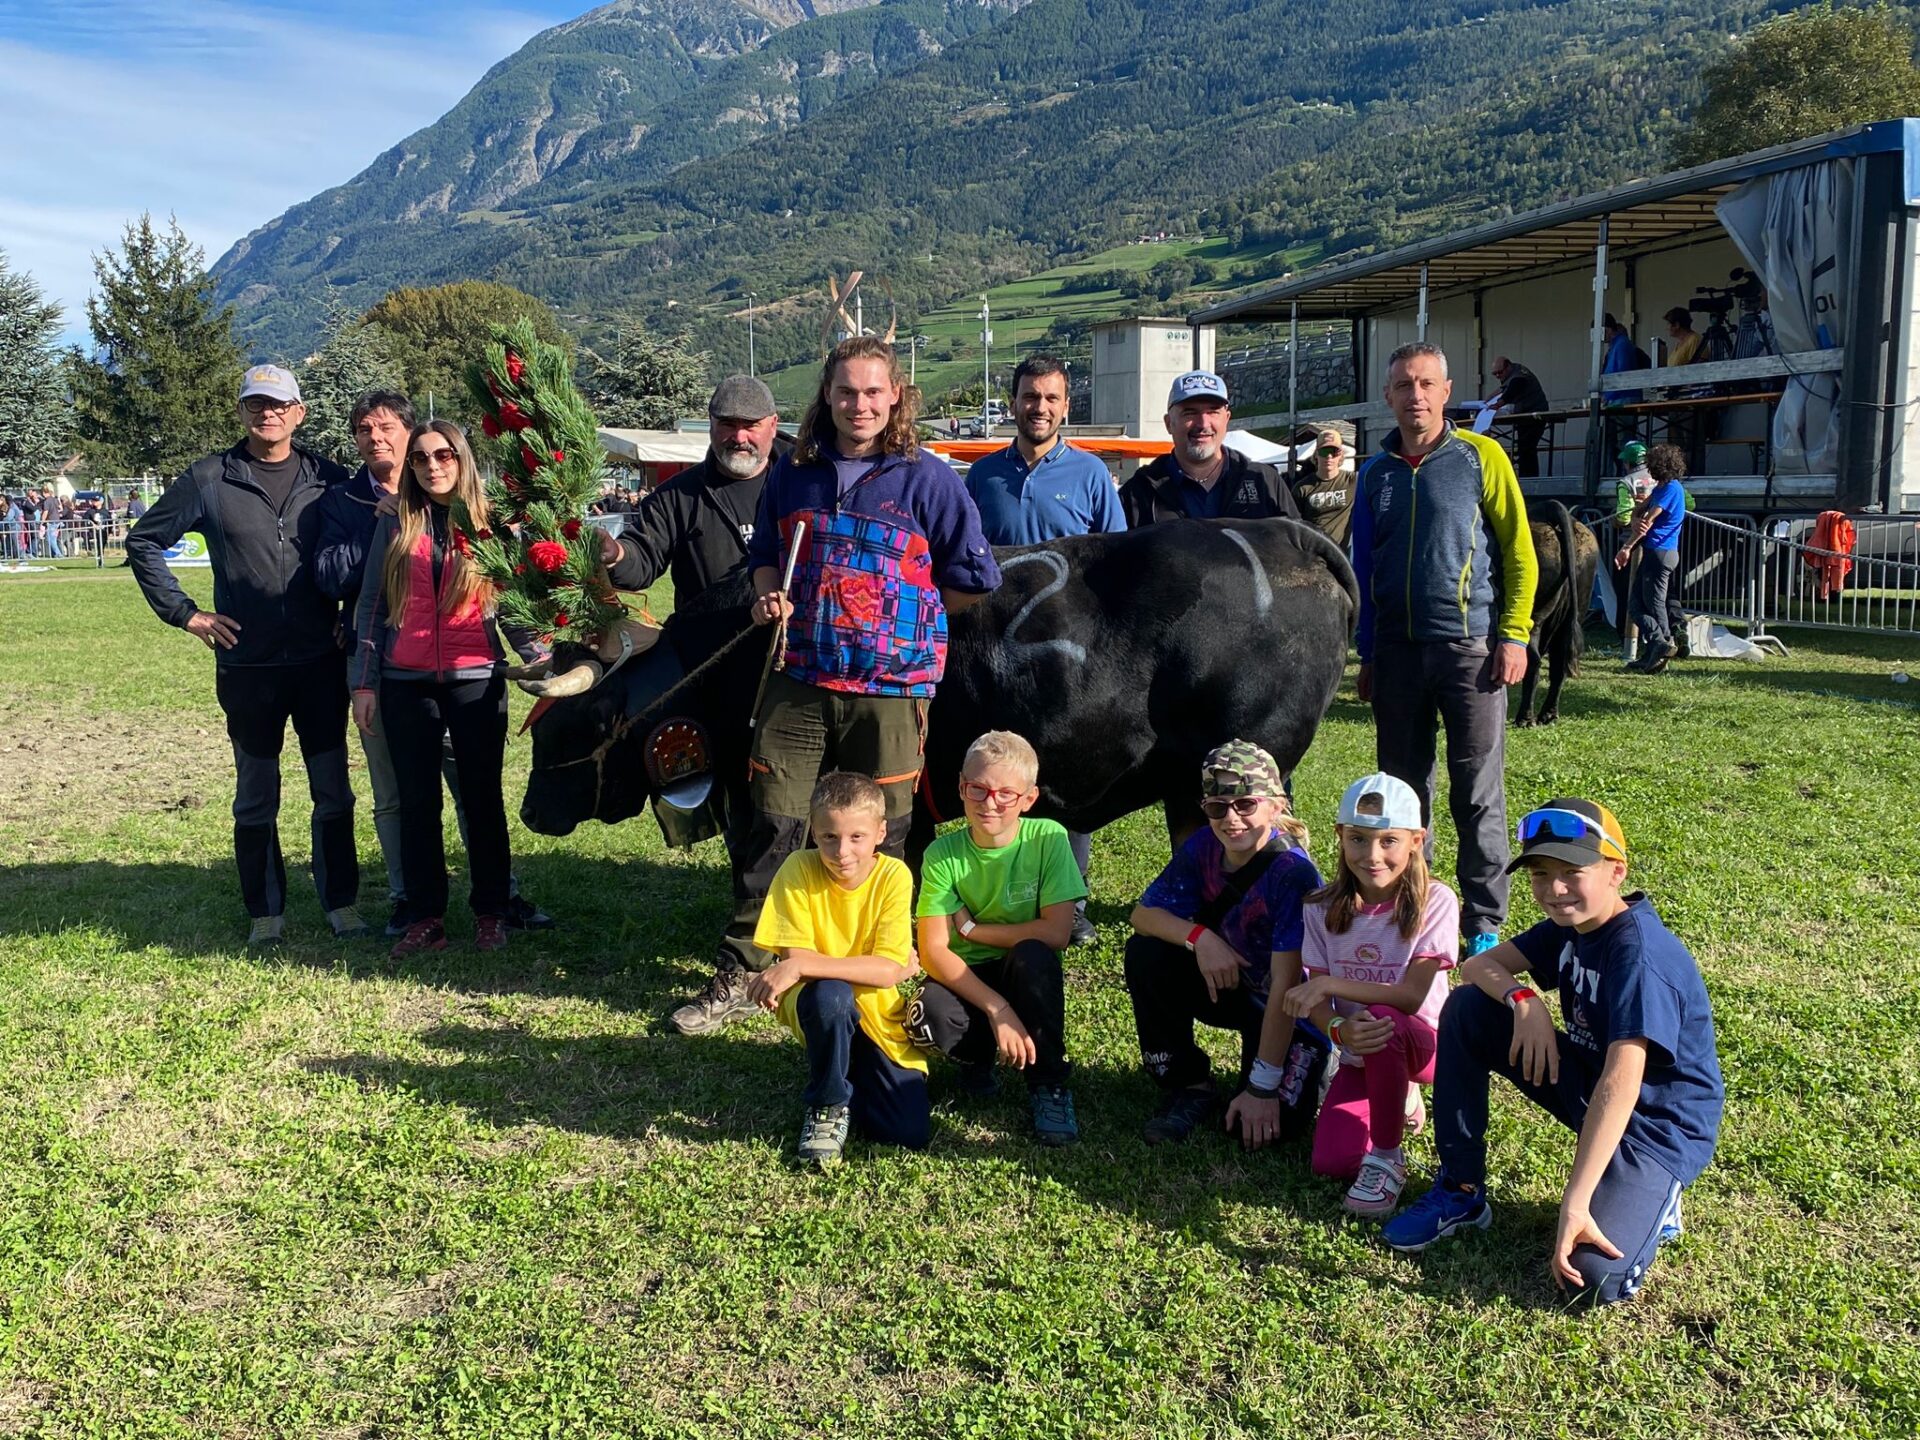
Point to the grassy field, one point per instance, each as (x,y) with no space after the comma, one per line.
(322,1195)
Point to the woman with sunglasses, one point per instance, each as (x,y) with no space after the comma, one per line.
(1213,935)
(429,646)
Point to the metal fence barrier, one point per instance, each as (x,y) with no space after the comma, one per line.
(75,539)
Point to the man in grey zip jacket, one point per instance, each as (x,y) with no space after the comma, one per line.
(272,634)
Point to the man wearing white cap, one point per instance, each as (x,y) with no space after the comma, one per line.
(1204,478)
(272,635)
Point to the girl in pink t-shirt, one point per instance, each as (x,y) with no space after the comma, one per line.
(1377,944)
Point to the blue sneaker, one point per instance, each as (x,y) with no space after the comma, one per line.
(1436,1215)
(1053,1118)
(1478,943)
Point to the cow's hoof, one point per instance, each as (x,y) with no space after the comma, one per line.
(1523,721)
(1546,717)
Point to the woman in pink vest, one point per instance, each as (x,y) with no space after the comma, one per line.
(430,648)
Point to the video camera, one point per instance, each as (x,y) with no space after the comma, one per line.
(1717,302)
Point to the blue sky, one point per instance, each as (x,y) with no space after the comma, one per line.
(220,113)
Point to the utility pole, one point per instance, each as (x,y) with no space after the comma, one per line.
(986,362)
(751,297)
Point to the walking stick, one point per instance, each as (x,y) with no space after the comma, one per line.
(777,642)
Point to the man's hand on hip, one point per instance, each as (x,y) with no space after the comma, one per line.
(219,632)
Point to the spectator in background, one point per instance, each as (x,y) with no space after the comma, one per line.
(1683,348)
(1521,393)
(1683,342)
(1324,491)
(13,529)
(1621,355)
(51,514)
(1657,522)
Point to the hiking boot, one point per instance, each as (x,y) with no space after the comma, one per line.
(978,1081)
(1084,932)
(267,930)
(1053,1118)
(523,914)
(823,1136)
(490,932)
(347,924)
(723,1001)
(1180,1114)
(1441,1212)
(1376,1189)
(422,935)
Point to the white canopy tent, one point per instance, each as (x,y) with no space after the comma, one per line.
(655,447)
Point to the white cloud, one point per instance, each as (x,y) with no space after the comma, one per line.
(219,114)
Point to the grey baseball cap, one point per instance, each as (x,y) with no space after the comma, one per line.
(742,397)
(1197,385)
(271,381)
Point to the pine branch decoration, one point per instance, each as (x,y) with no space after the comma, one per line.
(545,443)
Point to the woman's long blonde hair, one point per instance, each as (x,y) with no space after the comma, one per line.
(461,581)
(1341,895)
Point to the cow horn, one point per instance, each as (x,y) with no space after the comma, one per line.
(574,681)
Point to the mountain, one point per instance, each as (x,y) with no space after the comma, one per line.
(946,145)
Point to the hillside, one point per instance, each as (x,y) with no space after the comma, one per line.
(1067,127)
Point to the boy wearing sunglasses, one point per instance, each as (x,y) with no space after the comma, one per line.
(1220,926)
(996,909)
(1634,1073)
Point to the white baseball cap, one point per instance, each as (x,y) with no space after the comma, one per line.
(1399,806)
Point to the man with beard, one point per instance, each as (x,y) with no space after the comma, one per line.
(1203,479)
(1038,489)
(698,525)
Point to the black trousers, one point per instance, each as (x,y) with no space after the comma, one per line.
(1029,978)
(472,714)
(1168,996)
(259,700)
(1526,447)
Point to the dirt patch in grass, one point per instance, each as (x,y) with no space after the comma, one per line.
(64,755)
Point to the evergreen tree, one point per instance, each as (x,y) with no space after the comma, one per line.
(158,390)
(1803,74)
(648,383)
(434,330)
(356,357)
(35,420)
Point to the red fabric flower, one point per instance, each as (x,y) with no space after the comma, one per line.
(490,427)
(519,569)
(460,542)
(547,555)
(560,618)
(571,529)
(516,367)
(483,533)
(559,457)
(514,418)
(529,459)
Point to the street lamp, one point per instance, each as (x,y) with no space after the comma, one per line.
(751,297)
(986,362)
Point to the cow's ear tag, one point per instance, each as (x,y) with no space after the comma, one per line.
(680,763)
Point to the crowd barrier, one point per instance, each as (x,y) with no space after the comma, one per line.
(76,540)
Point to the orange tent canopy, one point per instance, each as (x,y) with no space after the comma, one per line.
(1116,446)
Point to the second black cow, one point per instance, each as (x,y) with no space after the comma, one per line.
(1569,557)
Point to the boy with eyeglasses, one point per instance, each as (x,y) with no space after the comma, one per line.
(1634,1073)
(996,909)
(1216,932)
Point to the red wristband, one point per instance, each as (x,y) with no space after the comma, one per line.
(1193,935)
(1519,993)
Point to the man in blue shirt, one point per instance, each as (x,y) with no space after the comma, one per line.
(1038,489)
(1656,529)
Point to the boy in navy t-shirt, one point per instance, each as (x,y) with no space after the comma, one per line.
(1634,1073)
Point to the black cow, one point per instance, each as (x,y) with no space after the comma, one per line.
(1560,599)
(1122,658)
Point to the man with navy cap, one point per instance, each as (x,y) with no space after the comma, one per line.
(1203,479)
(272,635)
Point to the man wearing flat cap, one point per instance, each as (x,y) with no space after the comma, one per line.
(1204,478)
(271,631)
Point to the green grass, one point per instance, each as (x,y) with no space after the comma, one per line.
(323,1195)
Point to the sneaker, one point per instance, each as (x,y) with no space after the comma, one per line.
(1416,1110)
(422,935)
(823,1136)
(1376,1190)
(1478,943)
(1660,656)
(1436,1215)
(347,924)
(723,1001)
(1053,1118)
(523,914)
(979,1081)
(267,930)
(1084,932)
(1672,1227)
(490,932)
(1180,1114)
(397,923)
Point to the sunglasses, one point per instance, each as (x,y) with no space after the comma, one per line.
(1563,825)
(1331,450)
(423,459)
(980,794)
(1217,807)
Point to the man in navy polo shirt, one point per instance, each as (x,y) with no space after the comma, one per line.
(1204,478)
(1038,489)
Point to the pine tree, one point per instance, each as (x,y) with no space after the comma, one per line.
(35,419)
(357,356)
(648,383)
(158,390)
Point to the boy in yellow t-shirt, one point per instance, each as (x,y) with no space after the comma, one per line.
(839,917)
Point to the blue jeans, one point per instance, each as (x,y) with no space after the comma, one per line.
(888,1103)
(1635,1196)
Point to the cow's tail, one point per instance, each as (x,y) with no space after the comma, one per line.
(1576,610)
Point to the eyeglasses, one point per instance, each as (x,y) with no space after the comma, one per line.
(423,459)
(1216,808)
(980,794)
(261,404)
(1564,825)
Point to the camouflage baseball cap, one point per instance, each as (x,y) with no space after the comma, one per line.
(1239,767)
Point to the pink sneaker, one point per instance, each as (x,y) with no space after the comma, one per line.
(1376,1190)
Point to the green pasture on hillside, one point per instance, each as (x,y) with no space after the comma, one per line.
(318,1194)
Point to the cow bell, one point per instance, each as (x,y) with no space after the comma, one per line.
(679,763)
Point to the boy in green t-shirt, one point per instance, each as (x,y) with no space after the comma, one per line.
(996,909)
